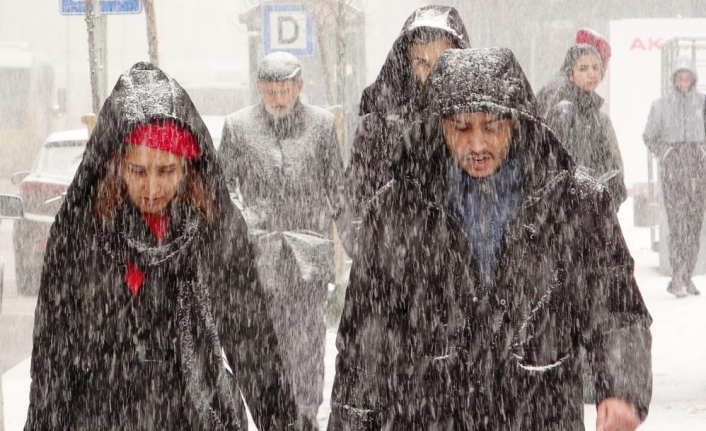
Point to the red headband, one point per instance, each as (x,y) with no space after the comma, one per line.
(165,136)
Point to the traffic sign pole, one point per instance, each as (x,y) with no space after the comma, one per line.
(97,52)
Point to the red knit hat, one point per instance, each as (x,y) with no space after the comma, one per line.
(165,135)
(593,38)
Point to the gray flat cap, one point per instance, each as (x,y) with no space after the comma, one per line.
(279,66)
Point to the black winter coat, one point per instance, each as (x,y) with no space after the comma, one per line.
(588,135)
(388,106)
(423,345)
(178,354)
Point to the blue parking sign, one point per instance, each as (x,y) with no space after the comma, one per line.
(78,7)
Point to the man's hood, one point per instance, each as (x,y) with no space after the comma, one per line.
(481,80)
(396,83)
(141,95)
(684,64)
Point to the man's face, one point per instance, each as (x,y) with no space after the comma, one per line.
(587,73)
(683,80)
(422,57)
(478,141)
(279,97)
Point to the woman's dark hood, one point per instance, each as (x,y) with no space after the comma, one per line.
(142,95)
(480,80)
(395,87)
(572,56)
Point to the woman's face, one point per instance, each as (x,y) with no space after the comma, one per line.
(152,177)
(587,72)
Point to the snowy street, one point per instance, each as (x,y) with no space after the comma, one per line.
(679,348)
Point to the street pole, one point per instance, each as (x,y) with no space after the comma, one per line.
(152,40)
(97,52)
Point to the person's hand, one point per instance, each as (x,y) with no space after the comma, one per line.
(615,414)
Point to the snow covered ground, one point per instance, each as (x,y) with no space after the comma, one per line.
(679,351)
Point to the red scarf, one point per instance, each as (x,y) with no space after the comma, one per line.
(159,225)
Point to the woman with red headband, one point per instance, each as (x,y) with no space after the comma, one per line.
(150,314)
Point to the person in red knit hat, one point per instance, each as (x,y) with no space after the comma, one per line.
(547,95)
(150,313)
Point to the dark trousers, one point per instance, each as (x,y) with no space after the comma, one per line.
(683,171)
(298,313)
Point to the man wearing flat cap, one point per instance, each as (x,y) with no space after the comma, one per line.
(282,162)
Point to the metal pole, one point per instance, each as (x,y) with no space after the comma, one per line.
(152,40)
(97,52)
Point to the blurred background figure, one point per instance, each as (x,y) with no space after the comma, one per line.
(389,104)
(546,96)
(675,134)
(585,131)
(281,159)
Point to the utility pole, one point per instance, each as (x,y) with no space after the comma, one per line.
(97,52)
(152,40)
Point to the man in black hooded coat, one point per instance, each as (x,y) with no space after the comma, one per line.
(178,353)
(389,104)
(471,296)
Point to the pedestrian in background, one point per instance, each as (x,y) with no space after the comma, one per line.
(282,157)
(389,104)
(546,96)
(675,134)
(586,132)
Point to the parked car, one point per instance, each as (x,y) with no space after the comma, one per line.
(42,190)
(10,208)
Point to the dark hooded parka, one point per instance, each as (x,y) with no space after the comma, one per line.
(177,348)
(586,132)
(436,332)
(389,104)
(675,134)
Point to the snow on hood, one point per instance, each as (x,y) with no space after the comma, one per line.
(395,85)
(141,95)
(479,80)
(487,79)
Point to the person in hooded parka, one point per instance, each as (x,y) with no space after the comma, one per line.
(485,264)
(150,314)
(586,132)
(283,164)
(547,95)
(675,134)
(390,103)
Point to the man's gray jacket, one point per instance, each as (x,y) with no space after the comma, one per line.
(676,117)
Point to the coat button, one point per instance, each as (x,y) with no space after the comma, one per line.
(503,302)
(481,389)
(475,299)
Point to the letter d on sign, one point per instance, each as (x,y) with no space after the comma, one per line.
(287,30)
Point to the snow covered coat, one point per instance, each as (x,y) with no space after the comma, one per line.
(676,118)
(178,354)
(289,175)
(589,136)
(388,105)
(423,345)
